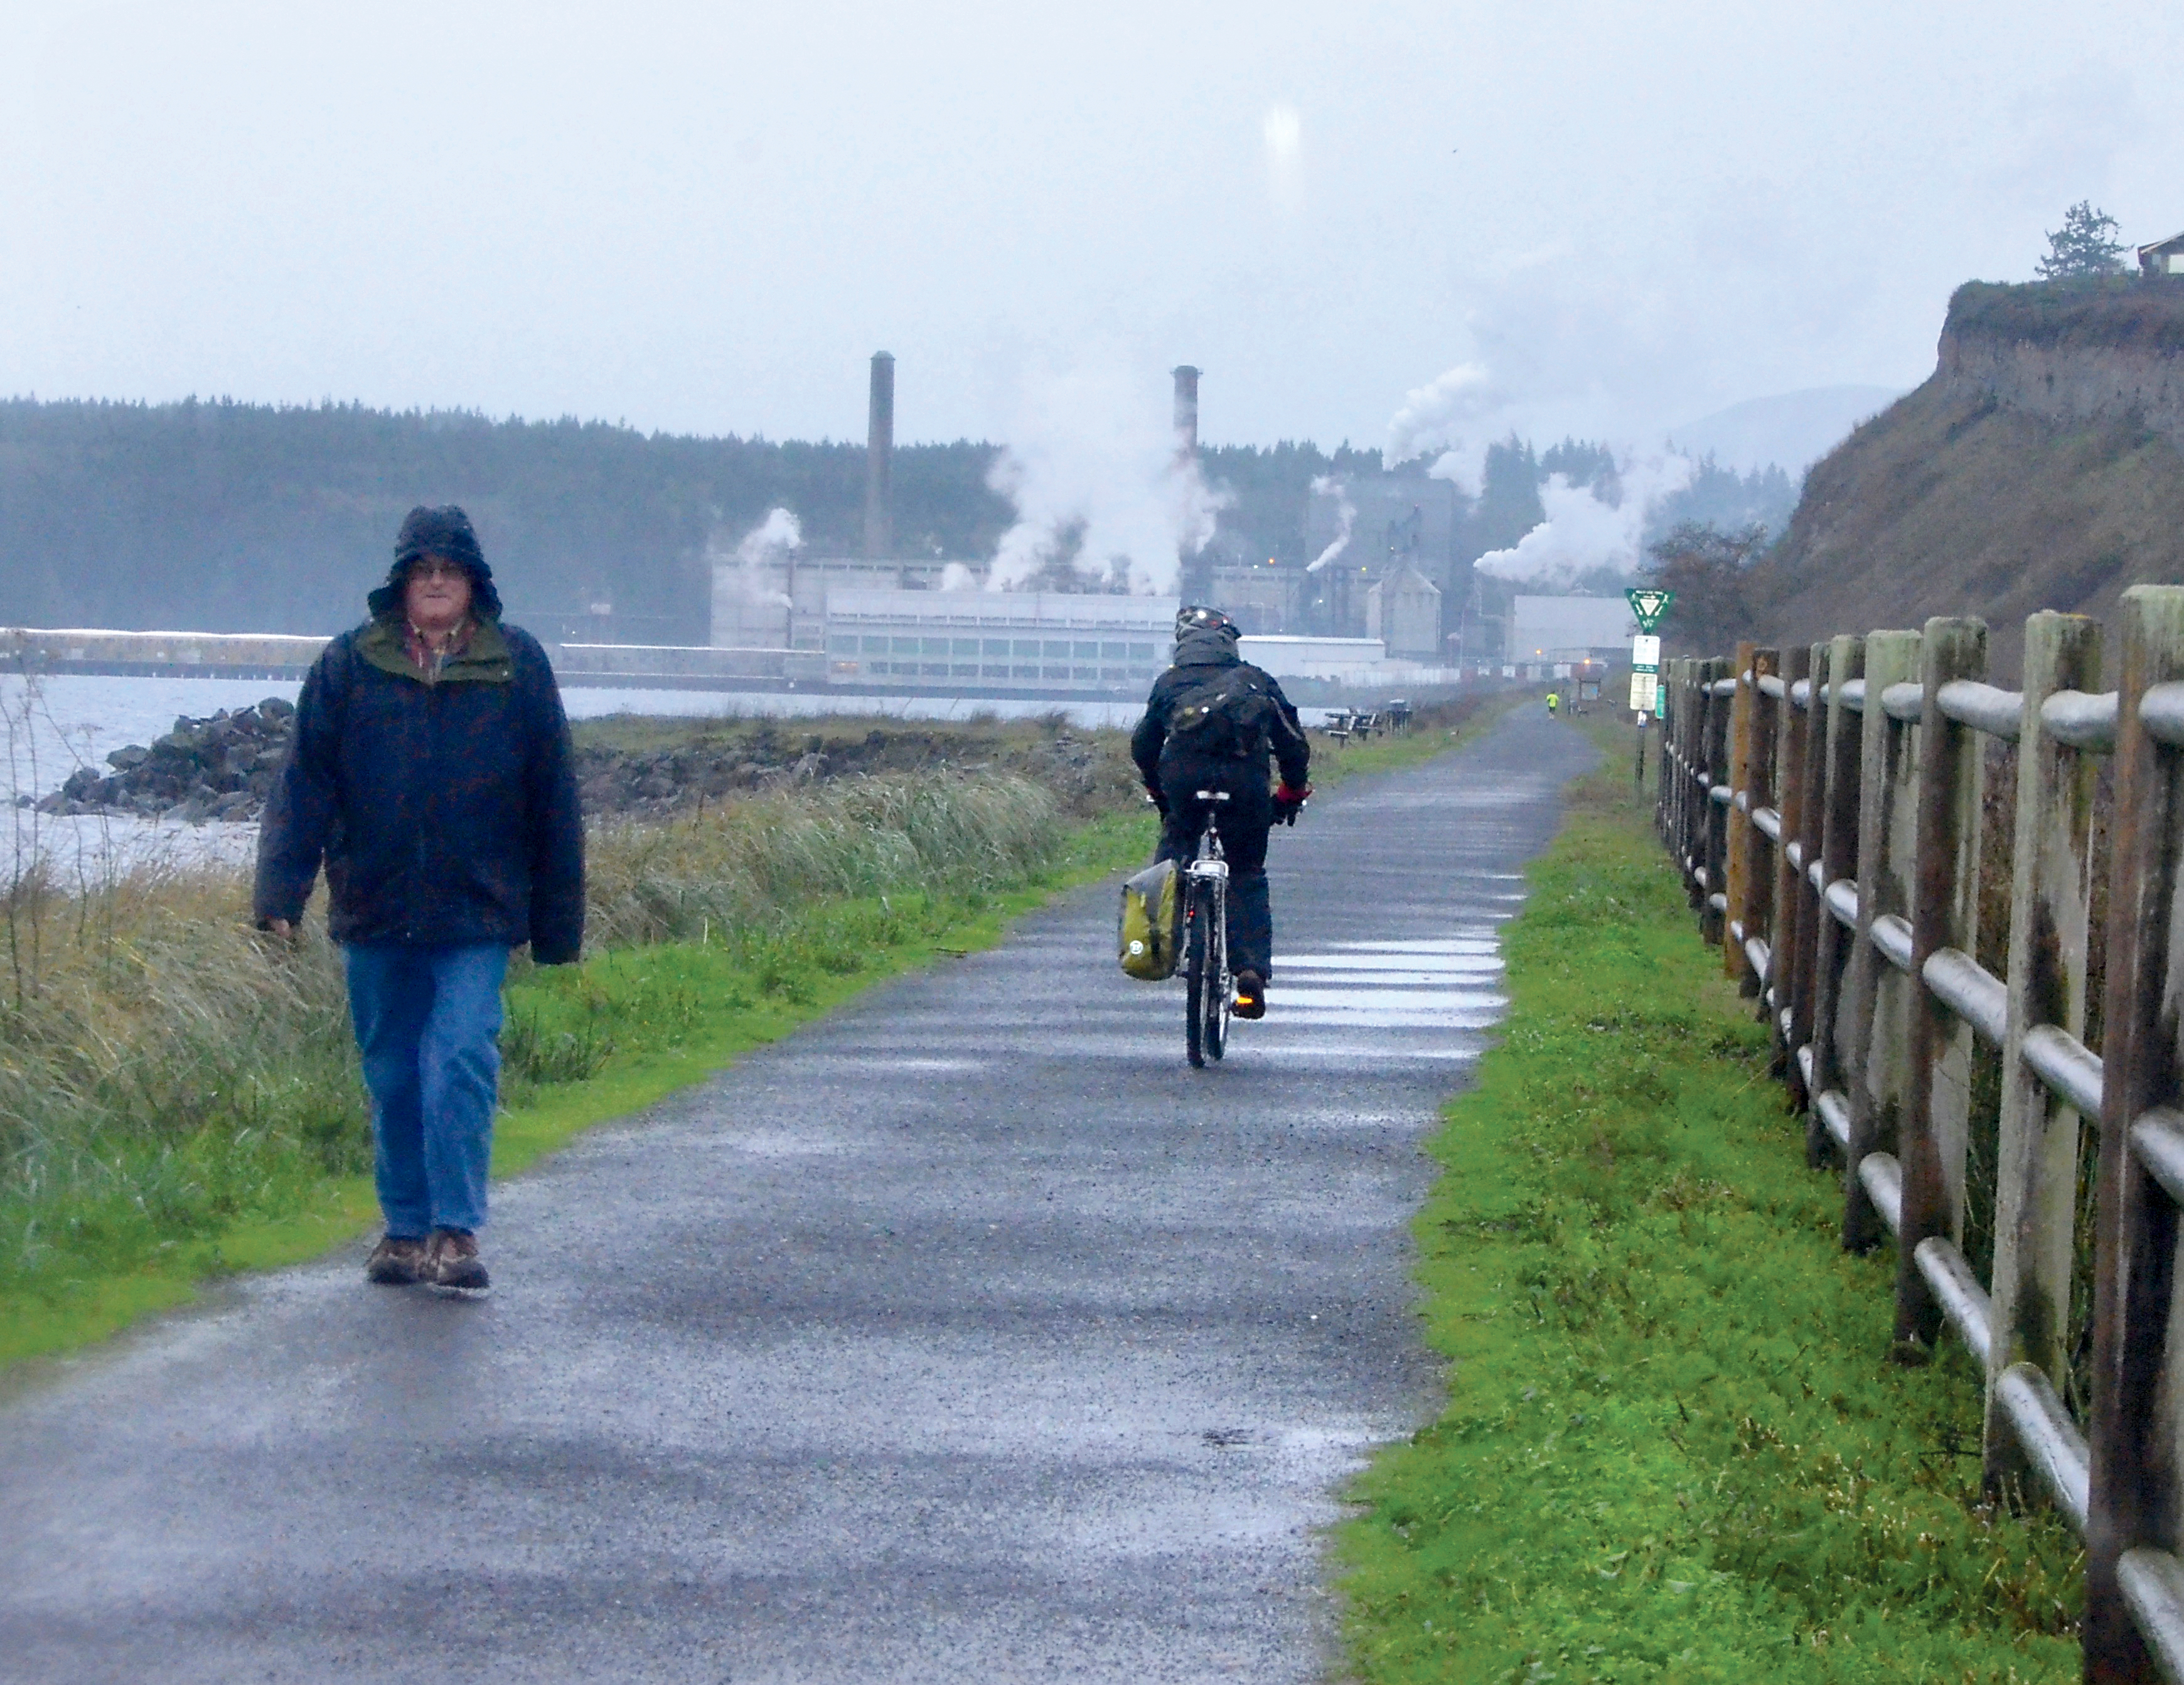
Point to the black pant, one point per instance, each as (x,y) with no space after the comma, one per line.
(1243,821)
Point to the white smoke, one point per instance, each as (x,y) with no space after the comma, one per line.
(1453,418)
(1346,516)
(958,577)
(1582,532)
(769,542)
(1094,462)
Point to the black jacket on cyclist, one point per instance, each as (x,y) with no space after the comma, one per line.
(1212,722)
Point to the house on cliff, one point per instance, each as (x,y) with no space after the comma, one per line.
(2163,256)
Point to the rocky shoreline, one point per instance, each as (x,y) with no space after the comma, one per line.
(221,768)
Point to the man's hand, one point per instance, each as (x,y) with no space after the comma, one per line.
(1159,801)
(281,929)
(1289,804)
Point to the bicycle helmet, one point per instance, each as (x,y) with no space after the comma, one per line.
(1194,616)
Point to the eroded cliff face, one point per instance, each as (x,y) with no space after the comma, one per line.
(2071,384)
(2041,467)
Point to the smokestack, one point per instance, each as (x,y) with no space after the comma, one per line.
(880,461)
(1186,410)
(1194,570)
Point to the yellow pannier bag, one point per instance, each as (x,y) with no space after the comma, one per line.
(1146,932)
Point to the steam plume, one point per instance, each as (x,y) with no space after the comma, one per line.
(1584,533)
(768,541)
(1452,417)
(1345,515)
(1100,490)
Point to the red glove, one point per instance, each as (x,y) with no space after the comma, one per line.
(1288,803)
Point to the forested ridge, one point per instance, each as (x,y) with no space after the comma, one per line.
(215,515)
(203,516)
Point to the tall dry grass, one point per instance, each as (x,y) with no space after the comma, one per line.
(163,1066)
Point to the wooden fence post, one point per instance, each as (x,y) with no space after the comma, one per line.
(1936,1113)
(1804,902)
(1665,757)
(1713,759)
(1785,920)
(1751,903)
(1682,739)
(1687,725)
(1836,822)
(2134,1476)
(1880,994)
(1736,825)
(2037,1154)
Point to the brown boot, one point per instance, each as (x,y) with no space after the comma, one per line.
(451,1260)
(396,1261)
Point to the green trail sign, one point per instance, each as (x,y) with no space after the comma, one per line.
(1648,606)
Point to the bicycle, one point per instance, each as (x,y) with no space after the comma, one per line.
(1207,982)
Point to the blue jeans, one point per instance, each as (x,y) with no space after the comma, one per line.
(428,1024)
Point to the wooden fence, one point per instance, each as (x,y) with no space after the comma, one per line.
(1825,805)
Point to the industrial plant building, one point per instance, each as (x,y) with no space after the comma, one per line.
(1566,629)
(988,638)
(1371,614)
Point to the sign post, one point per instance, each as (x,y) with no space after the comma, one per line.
(1646,607)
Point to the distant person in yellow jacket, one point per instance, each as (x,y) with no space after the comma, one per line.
(1554,704)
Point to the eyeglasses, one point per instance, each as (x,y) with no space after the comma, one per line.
(429,567)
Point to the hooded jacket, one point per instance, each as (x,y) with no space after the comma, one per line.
(443,806)
(1260,717)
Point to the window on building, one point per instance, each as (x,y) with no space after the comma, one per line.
(904,646)
(875,646)
(963,646)
(1142,652)
(1114,652)
(1056,647)
(1086,652)
(996,646)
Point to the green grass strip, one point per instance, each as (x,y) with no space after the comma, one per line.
(624,1029)
(1673,1447)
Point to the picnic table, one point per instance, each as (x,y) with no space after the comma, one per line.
(1345,723)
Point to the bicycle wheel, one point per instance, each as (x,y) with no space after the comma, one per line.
(1195,935)
(1213,1013)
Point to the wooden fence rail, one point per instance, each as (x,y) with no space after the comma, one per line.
(1825,806)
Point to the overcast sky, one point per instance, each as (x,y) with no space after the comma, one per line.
(705,218)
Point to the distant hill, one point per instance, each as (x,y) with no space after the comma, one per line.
(1790,429)
(235,517)
(2039,468)
(222,516)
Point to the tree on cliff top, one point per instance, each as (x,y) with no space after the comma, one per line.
(2085,245)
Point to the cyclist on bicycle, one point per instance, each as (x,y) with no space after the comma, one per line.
(1210,723)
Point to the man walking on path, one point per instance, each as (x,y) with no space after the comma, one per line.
(430,772)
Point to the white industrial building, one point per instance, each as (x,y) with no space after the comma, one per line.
(998,638)
(1561,629)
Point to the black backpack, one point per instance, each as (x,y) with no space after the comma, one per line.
(1219,713)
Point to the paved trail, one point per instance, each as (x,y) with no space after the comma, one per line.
(967,1335)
